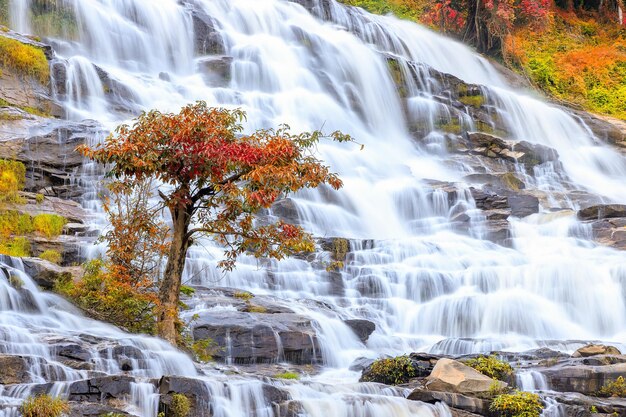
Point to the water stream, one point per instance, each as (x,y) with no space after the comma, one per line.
(425,286)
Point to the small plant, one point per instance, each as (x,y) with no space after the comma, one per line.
(243,295)
(12,178)
(252,308)
(50,225)
(496,388)
(180,406)
(391,371)
(491,366)
(593,409)
(518,404)
(44,406)
(25,59)
(51,255)
(288,375)
(188,291)
(616,388)
(18,247)
(39,198)
(203,350)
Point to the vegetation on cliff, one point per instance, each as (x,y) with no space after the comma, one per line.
(26,59)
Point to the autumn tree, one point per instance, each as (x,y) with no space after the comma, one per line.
(215,180)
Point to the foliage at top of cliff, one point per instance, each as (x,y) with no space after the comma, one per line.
(572,50)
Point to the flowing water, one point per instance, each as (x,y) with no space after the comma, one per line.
(424,285)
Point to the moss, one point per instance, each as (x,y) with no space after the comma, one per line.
(287,375)
(341,247)
(243,295)
(50,225)
(26,59)
(491,366)
(204,349)
(473,101)
(518,404)
(251,308)
(39,198)
(512,182)
(616,388)
(391,371)
(51,256)
(44,406)
(449,126)
(188,291)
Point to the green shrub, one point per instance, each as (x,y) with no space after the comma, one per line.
(50,225)
(391,371)
(180,406)
(243,295)
(287,375)
(18,247)
(39,198)
(491,366)
(203,350)
(188,291)
(51,255)
(12,178)
(26,59)
(518,404)
(615,388)
(44,406)
(13,223)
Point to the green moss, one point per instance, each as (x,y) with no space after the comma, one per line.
(204,349)
(26,59)
(518,404)
(44,406)
(50,225)
(491,366)
(391,371)
(188,291)
(401,8)
(473,101)
(287,375)
(449,126)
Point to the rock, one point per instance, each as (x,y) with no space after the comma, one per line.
(359,364)
(50,156)
(46,274)
(593,350)
(454,400)
(534,153)
(523,205)
(423,363)
(194,389)
(248,338)
(207,40)
(449,375)
(85,409)
(520,204)
(610,232)
(603,211)
(286,210)
(217,70)
(575,376)
(362,328)
(14,370)
(99,388)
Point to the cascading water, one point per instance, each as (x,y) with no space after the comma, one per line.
(424,285)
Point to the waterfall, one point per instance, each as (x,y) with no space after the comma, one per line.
(425,285)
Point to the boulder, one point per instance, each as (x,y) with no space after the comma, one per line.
(578,377)
(610,232)
(99,388)
(196,390)
(217,69)
(14,370)
(466,404)
(594,350)
(85,409)
(207,39)
(449,375)
(46,274)
(248,338)
(362,328)
(602,211)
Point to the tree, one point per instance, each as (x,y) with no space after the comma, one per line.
(215,181)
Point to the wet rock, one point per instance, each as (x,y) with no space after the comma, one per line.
(360,364)
(46,274)
(578,377)
(519,204)
(466,404)
(120,97)
(259,338)
(610,232)
(362,328)
(452,376)
(286,210)
(523,205)
(50,157)
(424,363)
(207,39)
(217,70)
(14,370)
(593,350)
(84,409)
(603,211)
(96,389)
(534,153)
(194,389)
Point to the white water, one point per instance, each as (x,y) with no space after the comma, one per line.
(425,286)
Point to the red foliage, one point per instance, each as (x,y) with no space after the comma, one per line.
(445,17)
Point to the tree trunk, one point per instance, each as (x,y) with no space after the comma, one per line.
(169,293)
(477,32)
